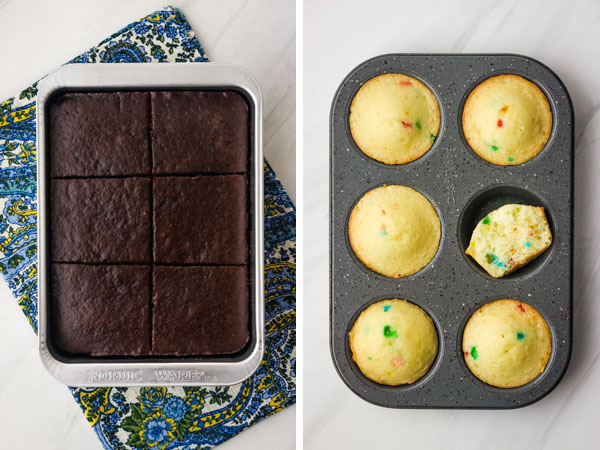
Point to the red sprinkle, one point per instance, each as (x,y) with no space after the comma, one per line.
(466,354)
(406,124)
(500,122)
(405,83)
(521,308)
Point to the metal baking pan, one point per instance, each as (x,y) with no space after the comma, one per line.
(463,188)
(131,371)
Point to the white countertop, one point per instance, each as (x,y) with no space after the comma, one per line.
(37,36)
(338,36)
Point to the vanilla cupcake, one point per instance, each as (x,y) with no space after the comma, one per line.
(510,237)
(506,343)
(394,230)
(507,120)
(394,118)
(393,342)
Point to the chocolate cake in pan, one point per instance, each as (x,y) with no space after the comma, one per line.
(149,223)
(150,219)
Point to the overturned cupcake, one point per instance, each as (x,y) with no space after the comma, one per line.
(507,120)
(394,118)
(506,343)
(393,342)
(394,230)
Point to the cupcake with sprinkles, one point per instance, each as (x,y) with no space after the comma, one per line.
(506,343)
(507,120)
(394,230)
(394,118)
(393,342)
(509,238)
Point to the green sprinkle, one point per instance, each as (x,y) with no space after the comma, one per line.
(520,336)
(369,358)
(389,332)
(527,244)
(494,147)
(511,159)
(486,221)
(418,124)
(386,308)
(382,233)
(474,352)
(432,136)
(493,259)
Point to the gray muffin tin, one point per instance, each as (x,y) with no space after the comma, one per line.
(464,189)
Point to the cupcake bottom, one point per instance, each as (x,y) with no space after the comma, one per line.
(393,342)
(506,343)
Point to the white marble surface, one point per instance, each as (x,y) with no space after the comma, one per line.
(339,35)
(37,36)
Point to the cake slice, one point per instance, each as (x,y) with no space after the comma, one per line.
(510,237)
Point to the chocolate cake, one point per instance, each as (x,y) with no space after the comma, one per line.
(101,220)
(149,224)
(99,134)
(101,310)
(199,132)
(210,217)
(199,310)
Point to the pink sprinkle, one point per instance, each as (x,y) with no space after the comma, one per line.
(406,124)
(405,83)
(398,361)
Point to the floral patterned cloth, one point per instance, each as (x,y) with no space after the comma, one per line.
(183,418)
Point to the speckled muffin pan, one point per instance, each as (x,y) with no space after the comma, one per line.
(464,189)
(160,243)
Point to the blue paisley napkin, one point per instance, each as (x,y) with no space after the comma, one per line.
(183,418)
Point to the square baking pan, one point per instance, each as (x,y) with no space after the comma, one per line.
(463,188)
(75,370)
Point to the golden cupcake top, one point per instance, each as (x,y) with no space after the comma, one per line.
(507,120)
(394,230)
(506,343)
(394,118)
(393,342)
(510,237)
